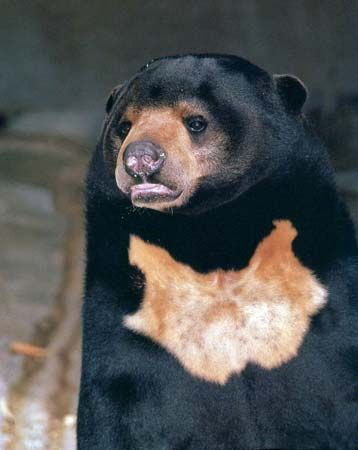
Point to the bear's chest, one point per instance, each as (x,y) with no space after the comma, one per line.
(216,323)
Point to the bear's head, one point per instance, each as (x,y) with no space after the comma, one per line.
(189,133)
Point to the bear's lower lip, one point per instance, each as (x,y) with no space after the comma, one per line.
(150,192)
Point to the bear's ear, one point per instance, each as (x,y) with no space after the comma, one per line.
(112,97)
(292,92)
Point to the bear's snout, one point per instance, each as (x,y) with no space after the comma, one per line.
(142,159)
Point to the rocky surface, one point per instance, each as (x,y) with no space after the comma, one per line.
(40,286)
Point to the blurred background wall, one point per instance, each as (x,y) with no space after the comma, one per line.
(66,55)
(59,60)
(69,53)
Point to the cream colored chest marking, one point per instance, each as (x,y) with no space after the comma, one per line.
(216,323)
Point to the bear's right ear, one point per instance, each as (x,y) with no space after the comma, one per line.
(292,92)
(112,97)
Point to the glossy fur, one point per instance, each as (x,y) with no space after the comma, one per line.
(137,396)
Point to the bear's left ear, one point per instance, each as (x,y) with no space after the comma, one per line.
(112,97)
(292,92)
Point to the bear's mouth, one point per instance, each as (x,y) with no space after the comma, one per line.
(152,192)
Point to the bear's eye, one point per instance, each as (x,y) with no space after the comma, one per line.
(124,128)
(196,124)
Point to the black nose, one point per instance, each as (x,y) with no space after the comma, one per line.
(142,159)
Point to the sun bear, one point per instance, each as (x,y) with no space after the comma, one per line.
(220,306)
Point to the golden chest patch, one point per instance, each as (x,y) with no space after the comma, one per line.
(217,323)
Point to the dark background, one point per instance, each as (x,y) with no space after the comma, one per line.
(65,56)
(58,62)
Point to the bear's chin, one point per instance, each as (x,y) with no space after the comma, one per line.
(153,192)
(156,196)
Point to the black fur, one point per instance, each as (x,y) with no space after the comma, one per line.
(134,394)
(292,91)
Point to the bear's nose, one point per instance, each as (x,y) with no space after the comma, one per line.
(142,159)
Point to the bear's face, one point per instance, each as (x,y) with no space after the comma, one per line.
(191,133)
(168,152)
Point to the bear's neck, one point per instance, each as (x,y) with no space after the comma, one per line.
(226,237)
